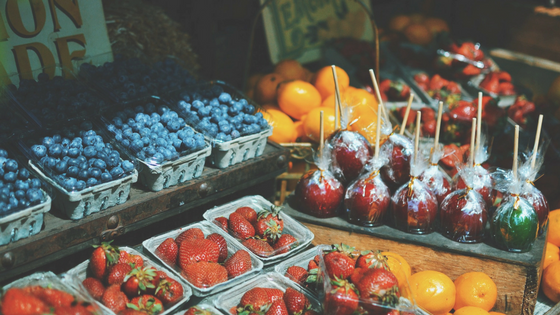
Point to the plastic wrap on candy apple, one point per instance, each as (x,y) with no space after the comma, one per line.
(367,200)
(536,198)
(319,194)
(515,225)
(463,216)
(415,208)
(350,153)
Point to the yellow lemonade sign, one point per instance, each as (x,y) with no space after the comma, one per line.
(298,29)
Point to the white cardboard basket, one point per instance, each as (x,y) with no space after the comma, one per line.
(24,223)
(241,149)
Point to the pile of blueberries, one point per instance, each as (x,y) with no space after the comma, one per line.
(82,161)
(129,79)
(18,188)
(55,100)
(10,122)
(155,134)
(218,115)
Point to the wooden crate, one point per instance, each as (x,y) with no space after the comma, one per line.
(517,275)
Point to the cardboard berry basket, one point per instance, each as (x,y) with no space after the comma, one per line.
(50,280)
(156,176)
(228,153)
(302,234)
(79,273)
(76,204)
(207,228)
(231,298)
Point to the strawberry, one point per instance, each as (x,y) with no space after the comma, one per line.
(94,287)
(422,78)
(222,222)
(342,299)
(339,265)
(201,250)
(102,257)
(128,258)
(411,116)
(138,281)
(465,112)
(118,273)
(195,310)
(169,291)
(274,294)
(297,274)
(503,76)
(427,114)
(269,226)
(240,227)
(248,213)
(254,300)
(52,297)
(372,259)
(190,234)
(168,250)
(238,264)
(506,88)
(380,287)
(18,302)
(452,88)
(222,244)
(429,128)
(146,303)
(259,247)
(357,275)
(205,274)
(277,308)
(310,312)
(114,299)
(398,91)
(296,302)
(491,82)
(130,311)
(437,83)
(284,244)
(470,70)
(77,309)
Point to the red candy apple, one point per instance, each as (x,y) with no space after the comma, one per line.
(367,200)
(319,193)
(350,153)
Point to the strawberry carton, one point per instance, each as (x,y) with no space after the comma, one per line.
(363,282)
(121,280)
(268,293)
(201,309)
(42,293)
(256,224)
(205,256)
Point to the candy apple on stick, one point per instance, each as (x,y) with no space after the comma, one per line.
(463,213)
(318,192)
(414,205)
(515,223)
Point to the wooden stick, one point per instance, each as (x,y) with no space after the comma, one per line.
(515,151)
(479,122)
(473,134)
(337,121)
(377,131)
(321,132)
(406,113)
(377,93)
(438,125)
(417,139)
(536,145)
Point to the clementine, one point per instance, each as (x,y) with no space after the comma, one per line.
(253,79)
(291,70)
(475,289)
(552,254)
(300,132)
(551,282)
(270,106)
(297,98)
(324,81)
(418,34)
(433,291)
(436,25)
(283,130)
(471,310)
(401,269)
(312,125)
(265,89)
(554,227)
(496,313)
(399,23)
(363,119)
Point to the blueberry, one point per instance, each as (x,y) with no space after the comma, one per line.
(100,164)
(76,143)
(177,144)
(19,194)
(126,143)
(99,147)
(90,151)
(263,123)
(73,152)
(57,138)
(174,125)
(72,171)
(197,104)
(118,122)
(256,128)
(150,107)
(13,202)
(23,174)
(81,159)
(65,142)
(83,174)
(225,128)
(95,172)
(102,156)
(35,183)
(51,162)
(61,167)
(161,142)
(224,97)
(117,172)
(157,158)
(155,117)
(80,185)
(90,133)
(1,173)
(168,154)
(137,145)
(21,185)
(70,184)
(64,151)
(91,182)
(112,161)
(55,150)
(3,153)
(84,166)
(249,109)
(39,150)
(34,195)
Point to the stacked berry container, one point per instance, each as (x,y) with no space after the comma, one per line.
(87,173)
(302,235)
(227,119)
(204,309)
(23,200)
(168,151)
(152,244)
(78,274)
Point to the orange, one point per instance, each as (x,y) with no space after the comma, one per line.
(554,227)
(312,125)
(291,70)
(300,133)
(270,106)
(496,313)
(253,79)
(399,23)
(471,310)
(356,97)
(283,130)
(475,289)
(552,254)
(418,34)
(329,101)
(400,268)
(551,282)
(297,98)
(324,81)
(363,120)
(436,25)
(433,291)
(265,90)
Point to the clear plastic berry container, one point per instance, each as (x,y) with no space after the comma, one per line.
(207,228)
(258,203)
(231,298)
(203,306)
(78,274)
(74,199)
(184,150)
(50,280)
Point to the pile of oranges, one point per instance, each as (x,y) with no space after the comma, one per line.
(292,98)
(417,28)
(550,283)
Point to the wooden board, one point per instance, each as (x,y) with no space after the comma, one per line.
(517,276)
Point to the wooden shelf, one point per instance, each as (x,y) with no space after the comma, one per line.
(62,237)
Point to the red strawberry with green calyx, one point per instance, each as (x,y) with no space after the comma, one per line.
(269,226)
(259,247)
(117,273)
(277,308)
(240,227)
(297,274)
(195,310)
(344,249)
(103,257)
(342,299)
(379,287)
(169,291)
(372,259)
(296,302)
(139,280)
(254,301)
(339,265)
(168,250)
(146,303)
(285,243)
